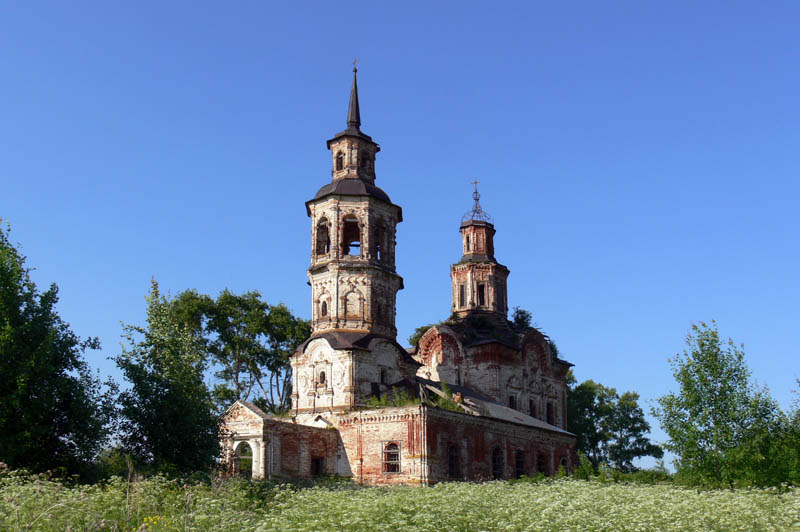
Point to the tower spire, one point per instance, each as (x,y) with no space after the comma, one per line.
(353,113)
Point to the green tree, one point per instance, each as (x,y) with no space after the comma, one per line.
(610,428)
(53,412)
(249,343)
(722,430)
(168,414)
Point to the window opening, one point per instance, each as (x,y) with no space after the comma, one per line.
(469,247)
(462,295)
(481,294)
(323,238)
(380,234)
(512,402)
(541,464)
(500,300)
(519,464)
(383,376)
(532,407)
(317,466)
(339,161)
(497,463)
(453,466)
(362,160)
(243,460)
(375,389)
(565,464)
(351,236)
(324,308)
(550,414)
(391,458)
(321,377)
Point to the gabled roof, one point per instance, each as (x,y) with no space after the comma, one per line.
(249,406)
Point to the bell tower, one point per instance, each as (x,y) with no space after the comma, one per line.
(352,274)
(478,280)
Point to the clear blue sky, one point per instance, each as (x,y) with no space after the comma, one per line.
(640,160)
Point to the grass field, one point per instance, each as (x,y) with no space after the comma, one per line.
(157,504)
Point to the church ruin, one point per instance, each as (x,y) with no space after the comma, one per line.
(475,399)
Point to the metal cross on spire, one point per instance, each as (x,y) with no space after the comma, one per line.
(477,213)
(355,60)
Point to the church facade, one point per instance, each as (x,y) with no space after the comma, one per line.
(477,398)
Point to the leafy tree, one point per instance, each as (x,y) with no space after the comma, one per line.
(610,428)
(521,319)
(628,428)
(723,430)
(249,343)
(168,415)
(53,412)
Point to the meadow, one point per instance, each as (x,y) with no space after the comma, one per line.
(157,504)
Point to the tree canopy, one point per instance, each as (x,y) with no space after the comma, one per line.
(53,412)
(168,417)
(611,428)
(723,430)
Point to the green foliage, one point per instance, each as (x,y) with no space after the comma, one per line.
(397,398)
(445,402)
(610,428)
(413,340)
(54,414)
(249,342)
(521,319)
(585,469)
(168,415)
(157,504)
(723,431)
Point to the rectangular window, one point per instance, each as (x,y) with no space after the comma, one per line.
(462,295)
(512,402)
(532,407)
(481,295)
(469,248)
(375,388)
(551,418)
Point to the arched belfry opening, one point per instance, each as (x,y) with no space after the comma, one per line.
(351,236)
(323,246)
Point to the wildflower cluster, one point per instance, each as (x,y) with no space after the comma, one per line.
(161,505)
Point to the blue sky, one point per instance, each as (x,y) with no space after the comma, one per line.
(640,160)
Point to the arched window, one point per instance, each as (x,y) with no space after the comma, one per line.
(362,159)
(519,463)
(243,460)
(498,464)
(351,236)
(323,238)
(391,458)
(384,378)
(551,416)
(323,309)
(564,463)
(469,246)
(339,161)
(453,465)
(321,379)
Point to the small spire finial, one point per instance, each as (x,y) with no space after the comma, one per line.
(353,112)
(477,213)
